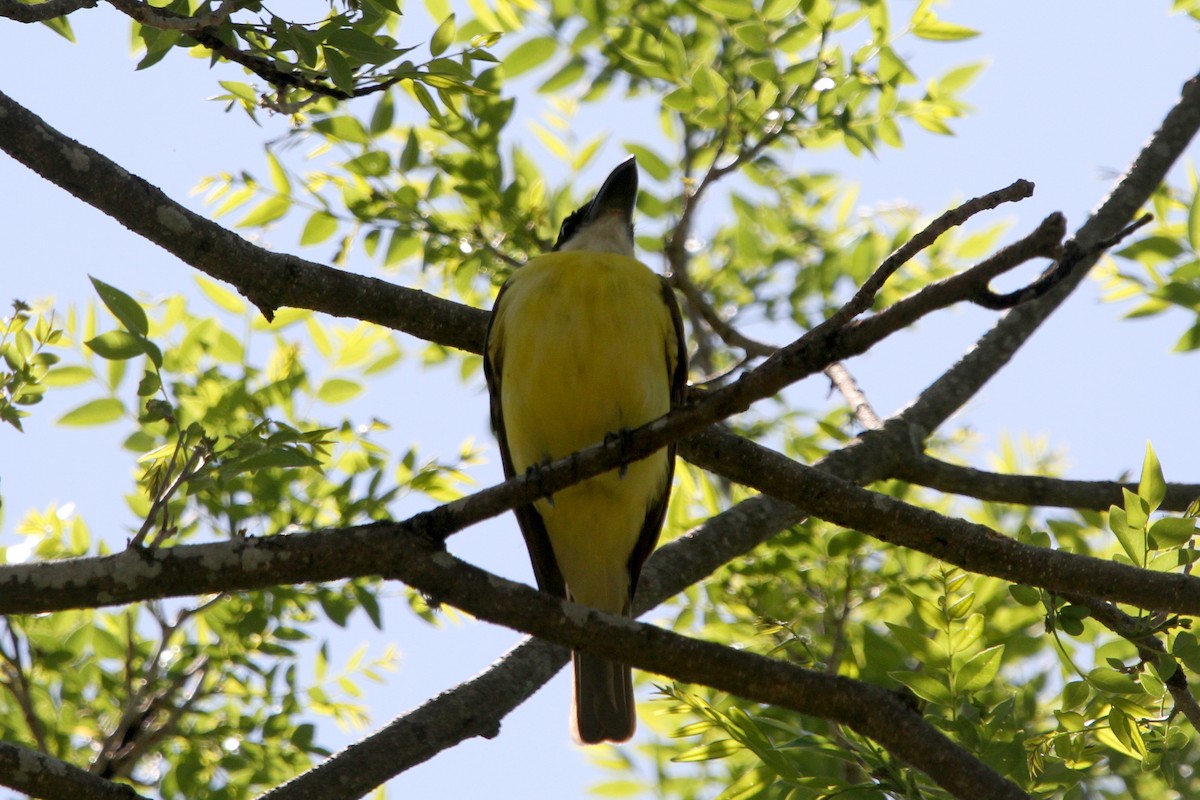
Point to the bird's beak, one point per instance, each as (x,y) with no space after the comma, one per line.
(617,195)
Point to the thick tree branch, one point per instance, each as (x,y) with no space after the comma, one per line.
(869,710)
(136,575)
(478,706)
(39,775)
(165,19)
(1031,490)
(473,708)
(41,12)
(973,547)
(270,280)
(995,348)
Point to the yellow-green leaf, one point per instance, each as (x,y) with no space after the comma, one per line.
(707,752)
(528,55)
(934,29)
(266,212)
(279,176)
(443,37)
(94,412)
(127,310)
(117,345)
(338,390)
(1152,488)
(980,670)
(67,376)
(320,226)
(223,298)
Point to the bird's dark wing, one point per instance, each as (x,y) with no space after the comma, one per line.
(657,512)
(537,540)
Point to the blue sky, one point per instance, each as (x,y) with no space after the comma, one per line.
(1071,91)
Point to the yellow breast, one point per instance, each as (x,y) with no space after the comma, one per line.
(586,347)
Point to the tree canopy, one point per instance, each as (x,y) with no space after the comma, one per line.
(847,608)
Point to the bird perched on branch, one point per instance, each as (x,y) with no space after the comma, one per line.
(585,342)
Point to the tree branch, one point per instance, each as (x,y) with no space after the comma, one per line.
(165,19)
(869,710)
(973,547)
(1031,490)
(862,299)
(841,379)
(270,280)
(41,12)
(39,775)
(994,349)
(477,707)
(1150,648)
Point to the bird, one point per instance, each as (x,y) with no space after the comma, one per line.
(584,343)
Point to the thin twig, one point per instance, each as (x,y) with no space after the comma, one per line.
(845,383)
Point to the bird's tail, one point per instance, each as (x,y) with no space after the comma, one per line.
(603,710)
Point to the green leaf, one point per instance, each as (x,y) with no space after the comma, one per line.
(438,9)
(1172,531)
(242,91)
(1152,487)
(67,376)
(565,77)
(266,212)
(1126,731)
(1137,510)
(338,390)
(117,345)
(1109,680)
(980,670)
(936,30)
(1193,224)
(443,37)
(1190,340)
(61,26)
(375,164)
(94,412)
(128,311)
(426,100)
(1075,694)
(279,176)
(348,129)
(339,70)
(707,752)
(1071,721)
(650,161)
(925,686)
(281,458)
(752,34)
(1025,595)
(729,9)
(529,55)
(362,47)
(220,296)
(383,115)
(320,226)
(1128,538)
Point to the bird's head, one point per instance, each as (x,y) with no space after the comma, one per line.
(605,223)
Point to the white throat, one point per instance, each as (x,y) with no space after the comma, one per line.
(606,235)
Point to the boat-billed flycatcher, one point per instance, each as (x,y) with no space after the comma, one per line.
(584,342)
